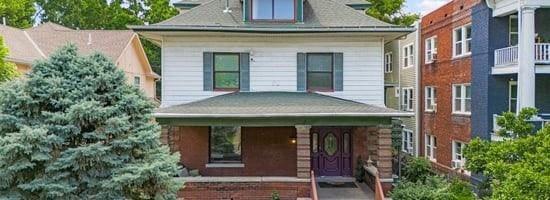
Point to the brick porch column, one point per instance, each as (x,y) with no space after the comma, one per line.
(384,152)
(303,157)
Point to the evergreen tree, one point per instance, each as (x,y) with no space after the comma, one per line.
(73,129)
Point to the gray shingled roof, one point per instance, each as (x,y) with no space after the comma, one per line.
(329,15)
(275,104)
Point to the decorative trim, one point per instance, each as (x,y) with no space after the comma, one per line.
(224,165)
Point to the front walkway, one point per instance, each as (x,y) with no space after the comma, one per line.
(361,192)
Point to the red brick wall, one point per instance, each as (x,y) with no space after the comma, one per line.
(442,74)
(267,151)
(245,191)
(359,147)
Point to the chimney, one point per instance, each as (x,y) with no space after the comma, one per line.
(89,39)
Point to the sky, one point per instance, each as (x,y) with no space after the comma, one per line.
(423,6)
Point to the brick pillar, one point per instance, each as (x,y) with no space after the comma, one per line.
(303,157)
(384,151)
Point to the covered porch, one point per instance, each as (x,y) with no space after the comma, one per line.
(252,144)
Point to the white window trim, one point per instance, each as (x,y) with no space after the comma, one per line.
(408,55)
(510,84)
(463,42)
(432,147)
(432,41)
(463,98)
(388,62)
(407,139)
(510,33)
(455,154)
(407,104)
(432,98)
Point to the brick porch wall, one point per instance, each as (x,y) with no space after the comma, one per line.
(245,191)
(267,151)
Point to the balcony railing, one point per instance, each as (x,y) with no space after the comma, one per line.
(539,122)
(509,55)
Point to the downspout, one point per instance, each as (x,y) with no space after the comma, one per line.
(418,88)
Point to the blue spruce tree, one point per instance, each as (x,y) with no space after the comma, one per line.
(73,129)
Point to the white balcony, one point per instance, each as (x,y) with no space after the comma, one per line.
(506,59)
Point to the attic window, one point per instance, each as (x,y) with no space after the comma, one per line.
(273,9)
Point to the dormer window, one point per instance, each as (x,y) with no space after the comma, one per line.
(278,10)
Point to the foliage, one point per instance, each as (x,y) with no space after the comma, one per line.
(74,129)
(396,135)
(391,11)
(275,196)
(517,168)
(417,169)
(433,188)
(7,69)
(18,13)
(516,125)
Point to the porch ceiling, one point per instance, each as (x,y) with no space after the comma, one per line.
(276,108)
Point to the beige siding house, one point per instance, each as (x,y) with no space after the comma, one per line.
(122,46)
(401,61)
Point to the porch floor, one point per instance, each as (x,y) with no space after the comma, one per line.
(362,192)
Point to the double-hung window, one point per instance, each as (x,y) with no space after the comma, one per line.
(513,30)
(462,41)
(388,62)
(320,72)
(458,155)
(276,10)
(137,81)
(226,71)
(431,49)
(408,56)
(430,98)
(407,141)
(407,99)
(431,146)
(462,99)
(512,96)
(225,144)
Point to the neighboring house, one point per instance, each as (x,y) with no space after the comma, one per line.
(268,91)
(401,63)
(511,55)
(446,89)
(123,47)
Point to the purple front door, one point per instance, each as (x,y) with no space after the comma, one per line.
(331,151)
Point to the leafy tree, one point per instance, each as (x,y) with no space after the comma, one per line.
(7,69)
(74,129)
(516,168)
(417,169)
(391,11)
(18,13)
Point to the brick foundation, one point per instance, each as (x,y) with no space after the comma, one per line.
(244,191)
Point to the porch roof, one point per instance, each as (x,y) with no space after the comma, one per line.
(275,104)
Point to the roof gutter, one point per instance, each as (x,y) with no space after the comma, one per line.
(271,29)
(263,115)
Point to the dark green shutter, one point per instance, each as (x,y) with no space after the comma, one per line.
(338,71)
(207,70)
(300,10)
(246,10)
(245,71)
(302,62)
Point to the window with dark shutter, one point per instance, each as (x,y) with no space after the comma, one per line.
(226,71)
(320,71)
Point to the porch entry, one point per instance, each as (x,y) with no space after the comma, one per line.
(331,151)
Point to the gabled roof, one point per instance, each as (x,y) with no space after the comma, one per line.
(319,15)
(275,104)
(38,42)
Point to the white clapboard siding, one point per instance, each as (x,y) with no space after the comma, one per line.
(272,66)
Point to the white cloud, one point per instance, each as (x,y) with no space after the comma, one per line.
(427,6)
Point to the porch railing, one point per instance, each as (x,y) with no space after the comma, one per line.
(373,172)
(510,55)
(313,187)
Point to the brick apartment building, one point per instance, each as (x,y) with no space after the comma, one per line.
(445,84)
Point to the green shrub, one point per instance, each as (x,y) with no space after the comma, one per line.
(417,169)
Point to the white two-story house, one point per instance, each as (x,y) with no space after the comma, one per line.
(258,95)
